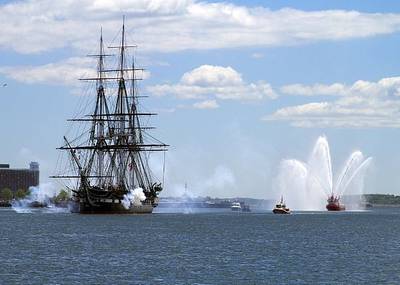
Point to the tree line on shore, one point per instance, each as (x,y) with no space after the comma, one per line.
(382,199)
(7,195)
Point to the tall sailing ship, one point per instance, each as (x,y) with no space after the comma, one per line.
(112,163)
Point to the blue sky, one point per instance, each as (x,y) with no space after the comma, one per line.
(238,85)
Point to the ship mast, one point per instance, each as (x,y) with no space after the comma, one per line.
(101,109)
(121,112)
(116,152)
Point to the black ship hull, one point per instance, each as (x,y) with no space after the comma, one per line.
(110,208)
(94,200)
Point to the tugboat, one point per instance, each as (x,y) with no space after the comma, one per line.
(334,204)
(236,207)
(280,208)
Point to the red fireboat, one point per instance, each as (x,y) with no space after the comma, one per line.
(280,208)
(334,204)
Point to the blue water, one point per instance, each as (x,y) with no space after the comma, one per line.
(203,248)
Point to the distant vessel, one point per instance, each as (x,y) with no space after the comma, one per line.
(236,206)
(280,208)
(246,208)
(110,159)
(5,204)
(218,204)
(37,204)
(334,204)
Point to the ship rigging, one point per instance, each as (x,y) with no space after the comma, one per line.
(113,161)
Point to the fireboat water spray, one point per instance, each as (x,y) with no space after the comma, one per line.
(311,186)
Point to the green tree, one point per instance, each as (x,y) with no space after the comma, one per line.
(6,194)
(62,196)
(21,194)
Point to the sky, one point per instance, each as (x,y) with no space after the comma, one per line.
(239,85)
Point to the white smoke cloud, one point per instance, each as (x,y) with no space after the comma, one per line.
(41,194)
(134,197)
(222,178)
(225,175)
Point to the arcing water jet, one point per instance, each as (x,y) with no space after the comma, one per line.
(307,185)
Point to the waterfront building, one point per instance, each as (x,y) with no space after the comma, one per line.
(15,179)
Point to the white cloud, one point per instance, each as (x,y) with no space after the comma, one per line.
(363,104)
(217,82)
(161,7)
(173,25)
(360,87)
(314,90)
(66,72)
(207,104)
(206,75)
(257,55)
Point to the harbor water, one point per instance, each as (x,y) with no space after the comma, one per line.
(47,247)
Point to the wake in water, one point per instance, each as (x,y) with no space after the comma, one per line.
(307,185)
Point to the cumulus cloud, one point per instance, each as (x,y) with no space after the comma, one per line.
(364,104)
(218,82)
(207,104)
(335,89)
(384,87)
(66,72)
(206,75)
(173,25)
